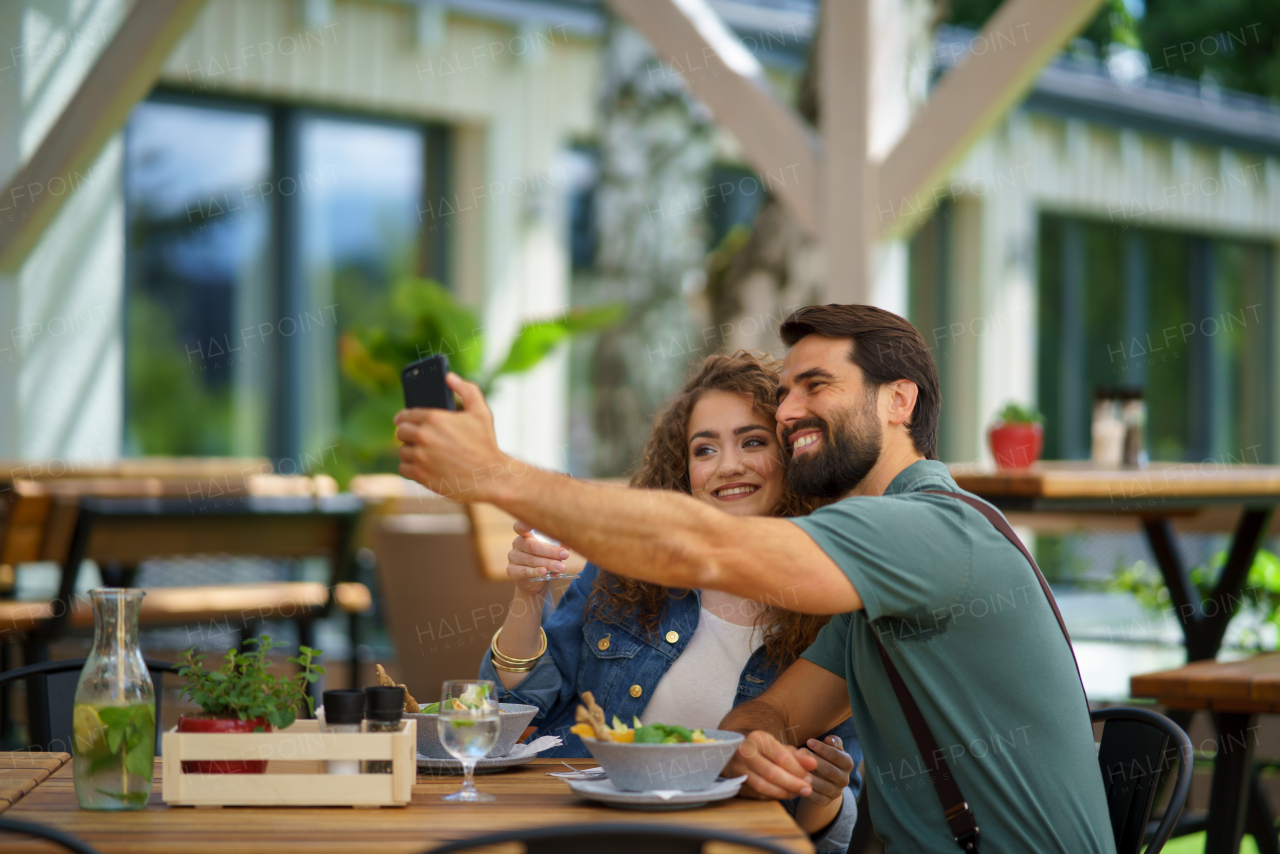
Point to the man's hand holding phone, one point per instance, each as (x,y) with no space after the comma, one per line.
(452,453)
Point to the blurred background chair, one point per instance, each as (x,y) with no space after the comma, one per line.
(51,693)
(441,574)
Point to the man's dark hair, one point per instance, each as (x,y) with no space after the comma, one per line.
(887,348)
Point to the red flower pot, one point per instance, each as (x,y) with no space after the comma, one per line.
(1016,446)
(200,723)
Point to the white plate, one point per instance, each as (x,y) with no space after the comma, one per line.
(439,767)
(604,791)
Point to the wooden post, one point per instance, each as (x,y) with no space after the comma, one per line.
(847,182)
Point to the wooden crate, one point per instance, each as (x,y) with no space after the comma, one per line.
(302,747)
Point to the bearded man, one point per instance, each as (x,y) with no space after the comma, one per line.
(926,591)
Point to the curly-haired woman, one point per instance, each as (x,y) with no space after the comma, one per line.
(679,656)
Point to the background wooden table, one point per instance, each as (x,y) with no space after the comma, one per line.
(1154,496)
(1234,692)
(527,797)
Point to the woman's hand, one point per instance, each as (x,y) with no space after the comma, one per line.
(530,559)
(831,775)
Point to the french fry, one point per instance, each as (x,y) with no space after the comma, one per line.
(591,713)
(410,704)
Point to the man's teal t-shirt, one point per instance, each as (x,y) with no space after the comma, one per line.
(960,612)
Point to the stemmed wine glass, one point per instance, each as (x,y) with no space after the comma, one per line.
(468,727)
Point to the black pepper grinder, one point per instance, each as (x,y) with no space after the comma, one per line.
(382,709)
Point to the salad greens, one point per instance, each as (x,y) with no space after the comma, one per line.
(475,697)
(664,734)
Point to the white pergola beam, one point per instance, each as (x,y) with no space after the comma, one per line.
(692,40)
(1019,40)
(847,180)
(122,75)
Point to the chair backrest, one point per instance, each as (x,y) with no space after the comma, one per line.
(1136,752)
(58,837)
(51,694)
(620,838)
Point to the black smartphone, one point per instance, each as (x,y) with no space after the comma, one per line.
(424,386)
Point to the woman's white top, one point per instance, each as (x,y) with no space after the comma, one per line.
(699,687)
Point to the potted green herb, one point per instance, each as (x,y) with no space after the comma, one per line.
(241,696)
(1017,436)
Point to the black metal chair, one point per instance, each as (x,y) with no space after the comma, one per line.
(1135,757)
(615,838)
(66,840)
(51,693)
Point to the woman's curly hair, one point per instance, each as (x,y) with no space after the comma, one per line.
(665,465)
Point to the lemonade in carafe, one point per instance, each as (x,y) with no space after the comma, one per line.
(113,722)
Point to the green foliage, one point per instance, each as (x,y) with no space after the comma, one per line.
(975,14)
(426,319)
(242,688)
(127,729)
(1262,586)
(1237,42)
(172,410)
(1014,413)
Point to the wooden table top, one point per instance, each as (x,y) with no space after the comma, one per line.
(1250,685)
(527,797)
(1081,480)
(20,772)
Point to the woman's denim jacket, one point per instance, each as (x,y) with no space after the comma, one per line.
(609,659)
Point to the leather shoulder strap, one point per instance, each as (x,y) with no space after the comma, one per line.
(963,824)
(960,818)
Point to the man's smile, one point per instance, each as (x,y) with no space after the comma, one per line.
(805,439)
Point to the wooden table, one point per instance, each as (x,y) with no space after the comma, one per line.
(122,522)
(1234,693)
(21,772)
(527,797)
(1153,496)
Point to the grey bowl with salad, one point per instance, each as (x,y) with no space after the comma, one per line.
(664,756)
(655,756)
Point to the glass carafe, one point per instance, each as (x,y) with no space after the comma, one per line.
(114,721)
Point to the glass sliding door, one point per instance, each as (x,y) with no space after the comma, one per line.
(359,232)
(256,235)
(199,197)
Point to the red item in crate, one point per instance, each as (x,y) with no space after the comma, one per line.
(1016,445)
(195,723)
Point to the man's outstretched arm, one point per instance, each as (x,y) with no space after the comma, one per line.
(792,714)
(653,535)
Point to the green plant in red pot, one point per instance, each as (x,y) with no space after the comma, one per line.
(241,696)
(1017,437)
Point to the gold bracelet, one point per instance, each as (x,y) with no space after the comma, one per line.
(499,666)
(502,657)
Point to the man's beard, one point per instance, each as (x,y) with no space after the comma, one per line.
(848,450)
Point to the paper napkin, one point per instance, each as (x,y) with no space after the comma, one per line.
(546,742)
